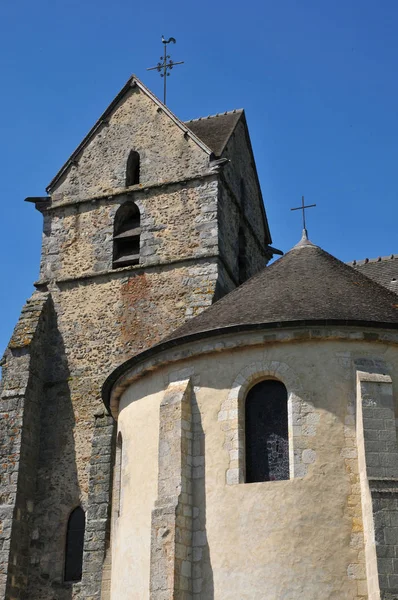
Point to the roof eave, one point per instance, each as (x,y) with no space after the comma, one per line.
(193,337)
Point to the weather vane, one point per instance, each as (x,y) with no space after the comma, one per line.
(302,207)
(166,65)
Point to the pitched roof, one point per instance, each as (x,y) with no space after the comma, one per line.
(215,130)
(132,81)
(383,269)
(306,285)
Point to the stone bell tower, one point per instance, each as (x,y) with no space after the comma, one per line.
(149,221)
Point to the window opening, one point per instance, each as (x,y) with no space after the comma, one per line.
(133,169)
(266,432)
(118,475)
(126,237)
(74,545)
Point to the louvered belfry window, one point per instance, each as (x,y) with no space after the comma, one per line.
(266,432)
(74,545)
(126,237)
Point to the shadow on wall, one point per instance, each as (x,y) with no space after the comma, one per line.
(57,492)
(202,572)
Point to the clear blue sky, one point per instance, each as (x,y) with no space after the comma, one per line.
(318,81)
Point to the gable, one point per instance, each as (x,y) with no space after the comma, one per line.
(136,120)
(242,178)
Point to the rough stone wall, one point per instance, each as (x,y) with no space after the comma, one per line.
(97,536)
(231,218)
(241,206)
(178,221)
(135,124)
(242,168)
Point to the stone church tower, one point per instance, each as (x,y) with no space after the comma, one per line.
(148,223)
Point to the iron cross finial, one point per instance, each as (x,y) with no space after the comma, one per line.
(165,66)
(303,207)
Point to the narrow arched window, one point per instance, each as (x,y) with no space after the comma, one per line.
(126,236)
(133,169)
(118,476)
(266,432)
(74,545)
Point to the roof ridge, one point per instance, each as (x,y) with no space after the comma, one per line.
(365,261)
(222,114)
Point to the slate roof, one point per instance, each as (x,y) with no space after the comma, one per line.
(306,285)
(383,269)
(215,130)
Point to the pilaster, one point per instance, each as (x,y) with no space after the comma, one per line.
(171,536)
(378,467)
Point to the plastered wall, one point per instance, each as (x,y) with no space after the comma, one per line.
(139,427)
(295,539)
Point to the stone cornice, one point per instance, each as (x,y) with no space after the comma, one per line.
(185,261)
(144,188)
(174,351)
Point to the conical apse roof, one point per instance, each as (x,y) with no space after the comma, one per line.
(306,285)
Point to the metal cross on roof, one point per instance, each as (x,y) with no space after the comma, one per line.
(164,66)
(302,207)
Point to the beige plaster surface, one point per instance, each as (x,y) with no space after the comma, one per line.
(131,537)
(290,540)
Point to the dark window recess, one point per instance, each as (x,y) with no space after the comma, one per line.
(266,432)
(242,260)
(133,169)
(126,237)
(74,545)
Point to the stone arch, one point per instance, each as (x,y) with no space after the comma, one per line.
(231,417)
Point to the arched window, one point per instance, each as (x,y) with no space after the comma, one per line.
(126,237)
(266,432)
(133,168)
(118,476)
(74,545)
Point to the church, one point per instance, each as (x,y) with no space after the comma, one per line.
(178,419)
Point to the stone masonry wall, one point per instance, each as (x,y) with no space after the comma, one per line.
(135,124)
(242,181)
(240,206)
(77,239)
